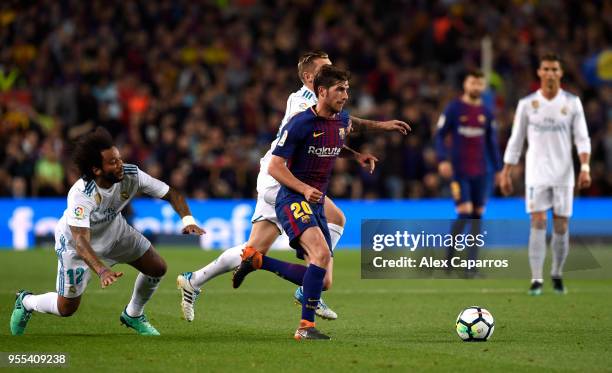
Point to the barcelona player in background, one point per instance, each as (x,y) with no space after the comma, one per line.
(468,153)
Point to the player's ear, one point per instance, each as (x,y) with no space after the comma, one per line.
(321,92)
(97,171)
(308,77)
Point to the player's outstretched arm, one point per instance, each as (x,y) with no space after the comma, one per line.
(179,204)
(363,125)
(365,160)
(81,236)
(278,170)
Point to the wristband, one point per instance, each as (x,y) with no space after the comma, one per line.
(103,272)
(188,220)
(585,167)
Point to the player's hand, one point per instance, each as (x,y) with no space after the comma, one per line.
(193,229)
(445,169)
(505,184)
(312,195)
(498,178)
(109,276)
(395,125)
(366,160)
(584,180)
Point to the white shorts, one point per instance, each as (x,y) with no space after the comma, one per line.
(543,198)
(73,273)
(266,199)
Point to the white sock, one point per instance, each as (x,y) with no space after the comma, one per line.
(225,262)
(44,303)
(560,248)
(335,231)
(537,253)
(144,287)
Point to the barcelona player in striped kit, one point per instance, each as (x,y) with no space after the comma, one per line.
(472,156)
(302,163)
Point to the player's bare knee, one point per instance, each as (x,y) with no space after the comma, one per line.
(159,269)
(560,225)
(538,224)
(67,312)
(67,309)
(538,220)
(320,257)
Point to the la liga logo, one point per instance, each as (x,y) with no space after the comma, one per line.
(79,212)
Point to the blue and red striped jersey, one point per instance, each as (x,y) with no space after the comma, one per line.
(310,144)
(474,150)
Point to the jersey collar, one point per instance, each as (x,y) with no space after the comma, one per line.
(559,94)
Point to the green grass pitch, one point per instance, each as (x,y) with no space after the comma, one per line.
(401,325)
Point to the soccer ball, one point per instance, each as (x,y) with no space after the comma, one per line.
(475,324)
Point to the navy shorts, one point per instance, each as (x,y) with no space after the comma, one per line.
(473,189)
(296,215)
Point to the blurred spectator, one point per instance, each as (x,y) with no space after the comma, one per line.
(48,173)
(195,90)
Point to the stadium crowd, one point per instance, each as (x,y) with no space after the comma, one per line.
(194,91)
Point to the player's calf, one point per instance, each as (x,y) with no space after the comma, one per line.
(318,253)
(151,264)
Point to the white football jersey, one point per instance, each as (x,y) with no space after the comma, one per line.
(548,126)
(98,209)
(296,103)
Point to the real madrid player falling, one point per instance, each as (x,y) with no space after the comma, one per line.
(92,236)
(548,119)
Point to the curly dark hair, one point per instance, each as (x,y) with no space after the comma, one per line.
(87,152)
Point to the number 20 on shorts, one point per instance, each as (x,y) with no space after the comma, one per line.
(301,208)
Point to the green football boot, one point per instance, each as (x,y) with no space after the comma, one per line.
(140,324)
(20,316)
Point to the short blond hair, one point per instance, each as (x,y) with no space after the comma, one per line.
(306,62)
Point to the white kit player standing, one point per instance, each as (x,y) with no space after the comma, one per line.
(266,227)
(548,119)
(92,235)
